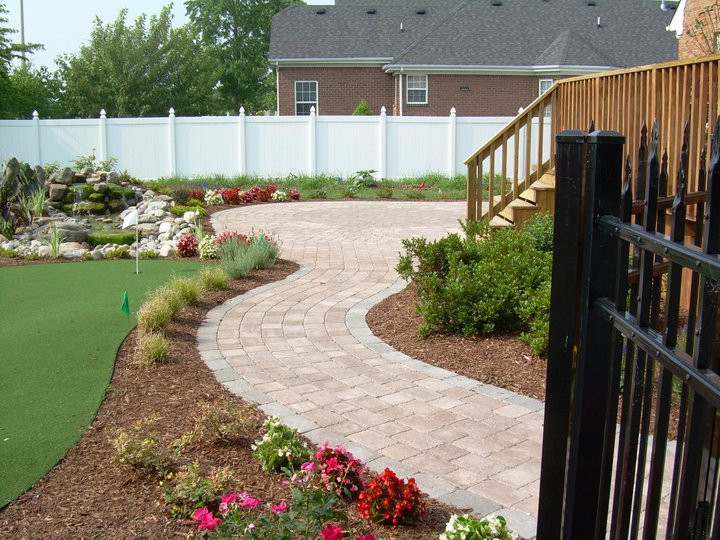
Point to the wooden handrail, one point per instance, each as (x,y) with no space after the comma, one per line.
(672,93)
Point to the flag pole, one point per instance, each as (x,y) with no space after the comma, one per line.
(137,247)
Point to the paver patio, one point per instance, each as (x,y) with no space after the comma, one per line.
(301,349)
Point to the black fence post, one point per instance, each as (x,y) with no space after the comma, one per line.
(564,328)
(591,447)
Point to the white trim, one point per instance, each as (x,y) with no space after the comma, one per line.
(335,62)
(677,22)
(315,105)
(500,70)
(408,89)
(400,92)
(277,90)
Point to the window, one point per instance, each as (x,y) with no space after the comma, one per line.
(545,85)
(305,97)
(417,89)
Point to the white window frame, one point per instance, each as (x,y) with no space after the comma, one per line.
(315,103)
(408,89)
(540,86)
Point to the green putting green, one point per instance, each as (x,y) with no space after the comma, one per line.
(60,329)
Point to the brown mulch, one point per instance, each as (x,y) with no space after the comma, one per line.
(88,496)
(499,359)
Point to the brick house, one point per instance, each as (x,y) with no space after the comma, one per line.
(697,26)
(483,57)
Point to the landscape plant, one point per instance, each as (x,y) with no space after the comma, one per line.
(477,284)
(213,198)
(207,247)
(340,472)
(55,238)
(213,279)
(391,500)
(280,447)
(466,527)
(189,489)
(152,348)
(141,447)
(187,246)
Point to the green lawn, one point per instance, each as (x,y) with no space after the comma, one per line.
(61,327)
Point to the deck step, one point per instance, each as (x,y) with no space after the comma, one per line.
(499,221)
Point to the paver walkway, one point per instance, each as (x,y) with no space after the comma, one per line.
(301,349)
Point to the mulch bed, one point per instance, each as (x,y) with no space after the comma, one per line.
(500,359)
(88,496)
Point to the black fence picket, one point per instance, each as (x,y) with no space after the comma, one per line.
(628,273)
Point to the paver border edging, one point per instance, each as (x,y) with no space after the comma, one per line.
(355,319)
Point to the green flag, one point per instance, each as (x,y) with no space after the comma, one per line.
(125,308)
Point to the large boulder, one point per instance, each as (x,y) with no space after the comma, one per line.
(56,192)
(65,176)
(112,177)
(72,250)
(71,232)
(148,229)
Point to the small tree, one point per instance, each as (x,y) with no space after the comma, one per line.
(704,31)
(363,109)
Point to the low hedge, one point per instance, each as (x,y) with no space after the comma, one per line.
(179,210)
(99,238)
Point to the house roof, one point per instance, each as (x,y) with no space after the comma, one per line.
(476,33)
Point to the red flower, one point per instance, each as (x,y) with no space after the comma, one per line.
(389,499)
(332,532)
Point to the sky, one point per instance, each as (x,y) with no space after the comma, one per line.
(62,26)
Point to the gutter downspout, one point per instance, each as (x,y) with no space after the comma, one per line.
(277,89)
(401,91)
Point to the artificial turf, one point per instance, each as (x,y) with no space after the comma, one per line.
(60,329)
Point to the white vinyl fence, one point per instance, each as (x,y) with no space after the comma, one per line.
(268,146)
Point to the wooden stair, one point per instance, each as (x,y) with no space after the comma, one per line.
(539,197)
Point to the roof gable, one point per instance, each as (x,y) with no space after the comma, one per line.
(479,33)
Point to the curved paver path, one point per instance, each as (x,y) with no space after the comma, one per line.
(301,349)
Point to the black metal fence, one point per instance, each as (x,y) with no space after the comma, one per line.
(630,366)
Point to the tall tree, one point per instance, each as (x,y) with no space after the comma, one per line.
(238,31)
(33,89)
(141,69)
(8,51)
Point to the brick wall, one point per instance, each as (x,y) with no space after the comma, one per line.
(693,47)
(340,90)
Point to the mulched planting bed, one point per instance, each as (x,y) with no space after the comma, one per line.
(499,359)
(88,496)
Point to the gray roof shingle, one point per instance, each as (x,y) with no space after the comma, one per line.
(478,33)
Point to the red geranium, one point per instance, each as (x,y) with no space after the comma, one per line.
(389,499)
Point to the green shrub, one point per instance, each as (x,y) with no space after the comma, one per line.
(265,251)
(319,193)
(477,284)
(9,253)
(415,194)
(143,449)
(363,109)
(349,192)
(385,193)
(535,313)
(236,260)
(189,490)
(219,421)
(152,348)
(213,279)
(540,229)
(179,210)
(118,253)
(150,254)
(99,238)
(280,447)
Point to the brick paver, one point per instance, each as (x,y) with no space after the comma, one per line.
(301,349)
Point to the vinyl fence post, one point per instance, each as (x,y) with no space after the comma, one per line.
(36,137)
(452,142)
(242,164)
(383,143)
(102,144)
(171,145)
(312,142)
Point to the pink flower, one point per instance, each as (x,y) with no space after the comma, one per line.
(205,519)
(279,508)
(227,500)
(200,513)
(332,463)
(249,502)
(364,537)
(308,466)
(332,532)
